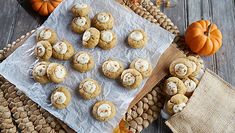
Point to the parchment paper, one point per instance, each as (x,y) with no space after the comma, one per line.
(16,68)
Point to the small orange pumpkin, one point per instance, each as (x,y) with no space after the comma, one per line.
(203,37)
(122,127)
(45,7)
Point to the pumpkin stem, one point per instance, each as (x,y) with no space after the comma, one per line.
(207,33)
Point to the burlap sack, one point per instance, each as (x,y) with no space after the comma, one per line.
(211,109)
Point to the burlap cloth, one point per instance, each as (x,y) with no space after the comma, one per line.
(211,109)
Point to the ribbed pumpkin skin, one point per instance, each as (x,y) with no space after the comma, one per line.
(203,37)
(45,7)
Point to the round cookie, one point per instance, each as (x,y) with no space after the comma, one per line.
(47,34)
(108,39)
(80,24)
(43,50)
(131,78)
(56,72)
(137,38)
(40,72)
(103,21)
(80,9)
(143,66)
(89,88)
(61,97)
(174,85)
(176,104)
(196,66)
(83,61)
(181,68)
(90,38)
(112,68)
(103,110)
(190,84)
(62,50)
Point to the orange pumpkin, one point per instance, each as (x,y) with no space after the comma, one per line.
(122,127)
(203,37)
(45,7)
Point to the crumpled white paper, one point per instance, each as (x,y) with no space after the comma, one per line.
(16,68)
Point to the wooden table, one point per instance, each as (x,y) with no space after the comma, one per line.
(16,20)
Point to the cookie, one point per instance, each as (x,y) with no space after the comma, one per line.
(190,84)
(103,21)
(176,104)
(43,50)
(103,110)
(83,61)
(131,78)
(47,34)
(112,68)
(181,68)
(61,97)
(56,72)
(108,39)
(196,66)
(89,88)
(143,66)
(91,38)
(80,9)
(62,50)
(137,38)
(80,24)
(174,85)
(40,72)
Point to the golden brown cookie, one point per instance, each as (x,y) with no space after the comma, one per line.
(43,50)
(47,34)
(61,97)
(40,72)
(83,61)
(143,66)
(90,38)
(174,85)
(103,110)
(56,72)
(80,24)
(131,78)
(191,84)
(176,104)
(89,88)
(112,68)
(103,21)
(108,39)
(196,66)
(80,9)
(62,50)
(181,68)
(137,38)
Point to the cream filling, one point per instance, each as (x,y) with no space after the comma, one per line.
(178,107)
(60,72)
(59,97)
(190,85)
(80,21)
(181,69)
(141,65)
(171,88)
(129,79)
(83,58)
(89,87)
(112,66)
(60,47)
(86,36)
(107,36)
(40,49)
(136,35)
(103,17)
(45,34)
(41,70)
(104,110)
(80,6)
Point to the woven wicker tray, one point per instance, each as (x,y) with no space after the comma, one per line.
(27,116)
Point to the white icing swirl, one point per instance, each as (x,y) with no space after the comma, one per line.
(40,49)
(171,88)
(60,72)
(103,17)
(41,70)
(80,21)
(190,85)
(194,66)
(136,35)
(107,36)
(86,36)
(89,87)
(181,69)
(141,65)
(60,47)
(129,79)
(178,107)
(112,66)
(59,97)
(83,58)
(80,5)
(104,110)
(45,34)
